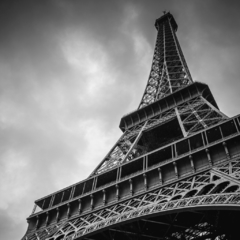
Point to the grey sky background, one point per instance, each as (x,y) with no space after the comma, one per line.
(69,70)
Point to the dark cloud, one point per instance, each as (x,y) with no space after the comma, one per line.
(71,69)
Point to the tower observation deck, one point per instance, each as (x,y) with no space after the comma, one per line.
(173,174)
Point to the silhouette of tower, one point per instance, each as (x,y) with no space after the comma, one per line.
(173,174)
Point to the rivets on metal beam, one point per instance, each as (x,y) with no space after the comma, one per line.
(209,157)
(192,163)
(160,175)
(104,197)
(145,181)
(68,210)
(79,206)
(226,149)
(47,218)
(57,217)
(175,169)
(37,223)
(117,192)
(131,186)
(92,206)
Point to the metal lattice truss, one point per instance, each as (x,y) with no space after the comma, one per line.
(217,187)
(193,116)
(126,147)
(231,169)
(39,235)
(144,211)
(124,150)
(198,114)
(169,70)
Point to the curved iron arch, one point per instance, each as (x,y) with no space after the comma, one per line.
(220,187)
(217,201)
(231,188)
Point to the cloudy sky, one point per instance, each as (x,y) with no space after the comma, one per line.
(69,70)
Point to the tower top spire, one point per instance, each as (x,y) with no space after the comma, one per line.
(166,16)
(169,71)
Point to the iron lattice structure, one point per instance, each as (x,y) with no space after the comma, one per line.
(174,173)
(169,71)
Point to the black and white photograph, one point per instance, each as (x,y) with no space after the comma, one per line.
(119,119)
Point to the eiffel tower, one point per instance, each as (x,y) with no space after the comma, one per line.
(173,174)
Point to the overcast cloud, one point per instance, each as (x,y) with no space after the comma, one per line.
(69,70)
